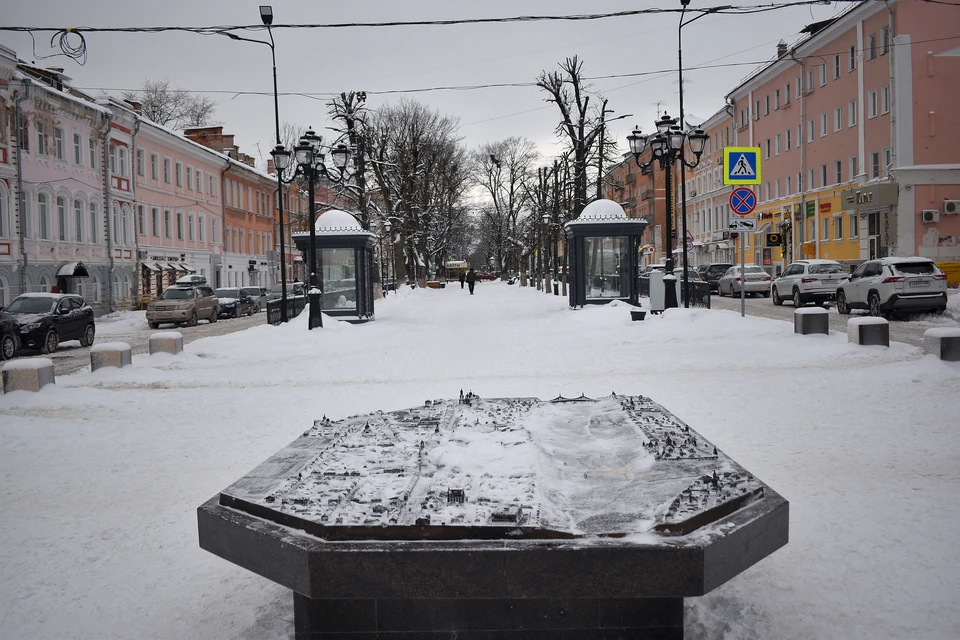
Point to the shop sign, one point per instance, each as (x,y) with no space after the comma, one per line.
(826,207)
(811,209)
(870,197)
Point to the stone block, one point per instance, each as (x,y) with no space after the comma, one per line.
(166,342)
(943,342)
(869,330)
(637,314)
(808,320)
(110,354)
(29,374)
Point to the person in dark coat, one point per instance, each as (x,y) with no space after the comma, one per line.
(463,278)
(471,279)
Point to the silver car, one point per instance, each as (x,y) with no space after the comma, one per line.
(259,297)
(755,280)
(806,281)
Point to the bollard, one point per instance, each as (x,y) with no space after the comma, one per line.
(868,331)
(637,314)
(29,374)
(110,354)
(166,342)
(808,320)
(943,342)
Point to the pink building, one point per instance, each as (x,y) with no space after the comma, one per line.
(708,199)
(859,153)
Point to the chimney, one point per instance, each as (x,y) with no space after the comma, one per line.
(781,49)
(137,107)
(271,168)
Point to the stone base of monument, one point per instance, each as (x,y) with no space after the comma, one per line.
(110,354)
(943,342)
(166,342)
(380,538)
(809,320)
(29,374)
(868,331)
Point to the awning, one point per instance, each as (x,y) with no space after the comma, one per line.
(187,268)
(726,244)
(150,266)
(298,259)
(73,270)
(166,266)
(177,266)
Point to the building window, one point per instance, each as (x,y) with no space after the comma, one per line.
(179,174)
(887,158)
(24,137)
(743,117)
(199,181)
(786,94)
(58,143)
(41,138)
(813,229)
(93,153)
(854,225)
(112,155)
(154,169)
(78,219)
(766,105)
(838,228)
(200,222)
(141,220)
(789,146)
(872,47)
(778,144)
(122,155)
(166,223)
(853,58)
(874,164)
(854,168)
(885,99)
(77,149)
(190,178)
(61,219)
(838,168)
(872,104)
(43,215)
(810,128)
(823,74)
(836,66)
(213,231)
(768,148)
(776,99)
(823,124)
(141,170)
(190,221)
(94,222)
(826,229)
(179,225)
(810,182)
(852,113)
(823,175)
(166,170)
(155,221)
(885,37)
(776,184)
(837,119)
(212,191)
(756,111)
(789,186)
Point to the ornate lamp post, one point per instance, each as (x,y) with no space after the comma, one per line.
(547,231)
(667,149)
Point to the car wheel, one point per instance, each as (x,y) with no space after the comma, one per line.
(797,300)
(193,320)
(7,347)
(154,325)
(777,300)
(236,314)
(88,336)
(874,305)
(766,294)
(50,342)
(720,291)
(213,315)
(842,307)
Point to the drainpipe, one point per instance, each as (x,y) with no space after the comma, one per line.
(136,206)
(107,205)
(802,142)
(893,124)
(21,202)
(223,223)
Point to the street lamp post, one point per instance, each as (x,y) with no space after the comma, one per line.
(666,146)
(388,226)
(547,230)
(376,229)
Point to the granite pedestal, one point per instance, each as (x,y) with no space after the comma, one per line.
(110,354)
(810,320)
(166,342)
(868,331)
(376,549)
(943,342)
(30,374)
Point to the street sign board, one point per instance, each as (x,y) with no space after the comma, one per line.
(743,201)
(689,240)
(741,165)
(742,224)
(774,239)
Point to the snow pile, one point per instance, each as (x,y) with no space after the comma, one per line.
(103,472)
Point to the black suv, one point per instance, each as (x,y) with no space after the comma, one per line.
(712,273)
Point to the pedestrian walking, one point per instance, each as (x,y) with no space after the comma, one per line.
(463,278)
(471,279)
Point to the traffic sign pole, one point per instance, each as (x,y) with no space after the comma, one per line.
(743,279)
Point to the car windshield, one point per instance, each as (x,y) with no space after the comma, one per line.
(177,294)
(30,305)
(916,268)
(253,291)
(826,268)
(228,293)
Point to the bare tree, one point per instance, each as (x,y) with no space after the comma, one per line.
(172,107)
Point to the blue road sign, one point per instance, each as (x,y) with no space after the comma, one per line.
(741,165)
(743,201)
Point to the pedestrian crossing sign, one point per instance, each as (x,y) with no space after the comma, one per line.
(741,165)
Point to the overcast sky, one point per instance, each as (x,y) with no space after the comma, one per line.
(402,58)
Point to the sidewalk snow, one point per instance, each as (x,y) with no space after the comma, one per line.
(103,472)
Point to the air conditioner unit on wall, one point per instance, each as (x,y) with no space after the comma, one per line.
(951,207)
(928,216)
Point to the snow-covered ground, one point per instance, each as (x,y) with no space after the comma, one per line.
(102,473)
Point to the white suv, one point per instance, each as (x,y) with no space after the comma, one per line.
(808,281)
(888,285)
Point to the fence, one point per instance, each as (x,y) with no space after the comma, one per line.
(699,292)
(295,305)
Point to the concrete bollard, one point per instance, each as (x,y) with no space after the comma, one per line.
(637,314)
(943,342)
(869,330)
(166,342)
(29,374)
(807,320)
(110,354)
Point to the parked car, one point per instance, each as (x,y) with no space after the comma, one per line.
(9,335)
(692,274)
(47,319)
(755,280)
(889,285)
(192,280)
(259,297)
(808,281)
(234,303)
(183,305)
(647,270)
(294,289)
(712,273)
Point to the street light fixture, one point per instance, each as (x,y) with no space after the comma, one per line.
(667,149)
